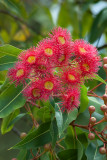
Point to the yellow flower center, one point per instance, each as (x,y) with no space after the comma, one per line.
(71,77)
(20,72)
(72,99)
(82,50)
(36,92)
(62,58)
(48,51)
(48,85)
(86,66)
(42,67)
(61,39)
(31,59)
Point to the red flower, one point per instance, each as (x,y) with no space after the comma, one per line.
(89,65)
(34,91)
(29,57)
(60,36)
(70,99)
(19,73)
(71,76)
(81,48)
(51,85)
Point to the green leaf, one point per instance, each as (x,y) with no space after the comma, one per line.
(59,119)
(98,26)
(7,62)
(98,78)
(69,117)
(37,138)
(83,99)
(17,118)
(5,127)
(69,154)
(44,114)
(54,132)
(4,85)
(9,50)
(63,118)
(80,149)
(94,150)
(22,154)
(52,102)
(93,101)
(10,100)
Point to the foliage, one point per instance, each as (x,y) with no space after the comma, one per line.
(51,133)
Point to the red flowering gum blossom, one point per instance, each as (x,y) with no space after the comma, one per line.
(51,85)
(89,65)
(60,36)
(34,91)
(71,76)
(29,57)
(62,55)
(18,74)
(70,99)
(46,51)
(81,48)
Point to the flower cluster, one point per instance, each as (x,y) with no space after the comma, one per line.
(56,67)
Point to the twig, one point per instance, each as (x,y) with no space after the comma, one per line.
(16,131)
(96,86)
(18,19)
(102,47)
(60,145)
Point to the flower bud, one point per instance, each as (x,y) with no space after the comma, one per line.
(14,159)
(105,67)
(105,98)
(91,109)
(47,147)
(103,108)
(92,120)
(102,150)
(23,135)
(91,136)
(105,60)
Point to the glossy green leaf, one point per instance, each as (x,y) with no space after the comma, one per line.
(5,127)
(59,118)
(93,101)
(52,102)
(9,50)
(69,117)
(36,138)
(44,114)
(80,150)
(17,118)
(10,100)
(98,78)
(54,132)
(69,154)
(83,99)
(98,26)
(63,118)
(92,153)
(7,62)
(22,154)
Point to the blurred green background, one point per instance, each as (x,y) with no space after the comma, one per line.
(23,23)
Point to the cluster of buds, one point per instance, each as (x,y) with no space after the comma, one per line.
(92,123)
(57,66)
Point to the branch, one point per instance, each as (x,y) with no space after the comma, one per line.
(102,47)
(16,18)
(16,131)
